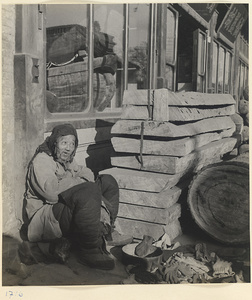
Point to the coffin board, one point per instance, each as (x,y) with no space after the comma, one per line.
(179,147)
(167,129)
(142,181)
(202,156)
(140,97)
(177,114)
(160,107)
(150,214)
(185,114)
(138,229)
(164,199)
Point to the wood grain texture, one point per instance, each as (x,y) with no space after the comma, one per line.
(164,199)
(177,114)
(167,129)
(199,158)
(160,107)
(150,214)
(187,99)
(178,147)
(138,229)
(185,114)
(142,181)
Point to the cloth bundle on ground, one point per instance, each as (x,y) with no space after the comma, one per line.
(201,267)
(194,265)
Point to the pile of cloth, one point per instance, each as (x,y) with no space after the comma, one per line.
(197,266)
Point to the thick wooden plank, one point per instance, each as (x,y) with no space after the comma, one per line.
(171,164)
(167,129)
(185,114)
(164,199)
(177,114)
(199,99)
(160,107)
(150,214)
(142,181)
(179,147)
(139,228)
(152,163)
(227,133)
(212,153)
(181,99)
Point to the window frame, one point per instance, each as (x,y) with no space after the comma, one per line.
(88,118)
(231,52)
(245,76)
(199,77)
(174,64)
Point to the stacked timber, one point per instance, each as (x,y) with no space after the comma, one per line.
(162,139)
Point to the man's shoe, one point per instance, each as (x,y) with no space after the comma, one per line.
(96,258)
(118,239)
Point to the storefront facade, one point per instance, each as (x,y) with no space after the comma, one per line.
(72,63)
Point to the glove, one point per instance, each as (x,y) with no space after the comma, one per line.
(171,274)
(222,269)
(186,272)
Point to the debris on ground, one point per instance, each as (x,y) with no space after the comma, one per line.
(197,266)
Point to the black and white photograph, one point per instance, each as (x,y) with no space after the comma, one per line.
(125,145)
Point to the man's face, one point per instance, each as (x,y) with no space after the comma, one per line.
(65,146)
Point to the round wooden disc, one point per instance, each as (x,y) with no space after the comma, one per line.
(218,199)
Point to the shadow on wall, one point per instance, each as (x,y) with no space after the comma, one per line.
(100,153)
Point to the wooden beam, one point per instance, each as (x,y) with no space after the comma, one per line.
(187,99)
(164,199)
(150,214)
(185,114)
(179,147)
(160,107)
(167,129)
(138,229)
(142,181)
(177,114)
(211,152)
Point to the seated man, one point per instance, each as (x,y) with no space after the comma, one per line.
(63,199)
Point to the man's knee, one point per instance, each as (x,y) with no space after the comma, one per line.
(83,194)
(107,181)
(107,178)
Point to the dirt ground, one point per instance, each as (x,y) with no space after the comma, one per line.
(74,273)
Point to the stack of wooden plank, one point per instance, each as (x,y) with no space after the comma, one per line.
(162,139)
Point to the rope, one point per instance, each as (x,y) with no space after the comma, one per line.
(150,99)
(141,145)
